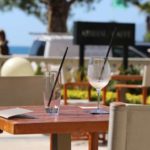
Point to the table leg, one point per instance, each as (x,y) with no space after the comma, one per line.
(93,141)
(144,93)
(60,142)
(1,131)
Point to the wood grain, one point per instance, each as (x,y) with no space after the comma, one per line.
(71,119)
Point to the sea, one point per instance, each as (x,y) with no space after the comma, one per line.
(23,50)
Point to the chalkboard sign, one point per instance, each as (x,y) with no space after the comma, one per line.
(94,33)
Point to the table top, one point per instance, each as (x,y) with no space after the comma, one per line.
(71,119)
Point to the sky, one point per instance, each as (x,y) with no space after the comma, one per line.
(18,25)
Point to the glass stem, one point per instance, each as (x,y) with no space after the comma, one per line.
(98,103)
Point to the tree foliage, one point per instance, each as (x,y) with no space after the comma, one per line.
(55,12)
(34,7)
(144,6)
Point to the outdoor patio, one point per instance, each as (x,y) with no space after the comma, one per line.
(90,107)
(38,142)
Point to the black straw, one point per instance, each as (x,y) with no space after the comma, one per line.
(110,45)
(57,77)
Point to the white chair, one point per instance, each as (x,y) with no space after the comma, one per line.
(21,91)
(129,127)
(16,91)
(144,86)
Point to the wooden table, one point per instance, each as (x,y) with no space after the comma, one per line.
(71,119)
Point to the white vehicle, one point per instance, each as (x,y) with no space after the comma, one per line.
(50,45)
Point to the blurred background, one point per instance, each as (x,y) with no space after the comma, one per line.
(20,19)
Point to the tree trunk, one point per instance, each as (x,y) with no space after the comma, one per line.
(57,16)
(148,23)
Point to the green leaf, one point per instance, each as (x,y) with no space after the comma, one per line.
(119,3)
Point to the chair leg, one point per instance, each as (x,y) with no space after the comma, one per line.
(103,138)
(89,92)
(118,96)
(65,94)
(144,93)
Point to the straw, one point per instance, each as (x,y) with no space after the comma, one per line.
(57,77)
(110,45)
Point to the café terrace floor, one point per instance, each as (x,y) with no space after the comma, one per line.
(38,142)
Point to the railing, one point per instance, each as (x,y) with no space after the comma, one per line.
(74,61)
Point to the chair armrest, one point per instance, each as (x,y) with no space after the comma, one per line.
(128,86)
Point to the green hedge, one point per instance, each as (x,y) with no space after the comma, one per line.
(110,96)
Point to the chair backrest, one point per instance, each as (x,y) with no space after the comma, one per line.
(146,74)
(129,127)
(16,91)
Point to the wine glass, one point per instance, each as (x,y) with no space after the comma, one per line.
(98,75)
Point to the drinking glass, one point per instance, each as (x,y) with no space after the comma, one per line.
(98,75)
(52,107)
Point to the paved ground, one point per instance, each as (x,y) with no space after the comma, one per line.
(35,142)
